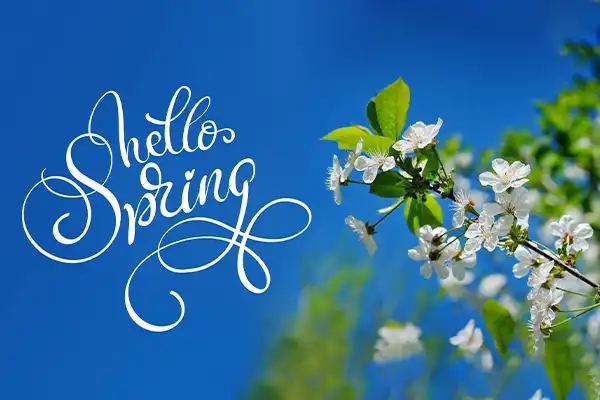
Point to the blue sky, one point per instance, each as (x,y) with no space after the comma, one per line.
(281,74)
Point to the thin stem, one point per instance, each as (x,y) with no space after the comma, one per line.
(440,161)
(575,293)
(357,182)
(451,230)
(573,317)
(452,241)
(388,213)
(567,268)
(580,309)
(544,246)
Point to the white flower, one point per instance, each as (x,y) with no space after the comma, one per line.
(364,233)
(370,166)
(506,176)
(417,136)
(510,304)
(538,396)
(542,307)
(527,261)
(593,328)
(538,277)
(462,183)
(456,288)
(336,176)
(535,331)
(515,204)
(469,339)
(396,343)
(458,260)
(492,284)
(461,203)
(487,361)
(486,232)
(352,156)
(574,236)
(430,251)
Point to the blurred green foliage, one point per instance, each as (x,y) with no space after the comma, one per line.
(311,360)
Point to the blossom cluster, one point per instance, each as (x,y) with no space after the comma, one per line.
(502,224)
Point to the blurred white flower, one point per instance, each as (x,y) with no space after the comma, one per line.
(567,232)
(469,339)
(397,342)
(575,172)
(462,183)
(364,233)
(505,176)
(515,204)
(593,328)
(538,396)
(463,159)
(487,361)
(370,166)
(511,304)
(455,289)
(569,282)
(591,255)
(417,136)
(492,284)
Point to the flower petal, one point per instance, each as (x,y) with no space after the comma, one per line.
(388,164)
(370,173)
(492,208)
(362,162)
(488,178)
(580,244)
(458,219)
(337,195)
(426,270)
(370,244)
(583,231)
(473,245)
(500,166)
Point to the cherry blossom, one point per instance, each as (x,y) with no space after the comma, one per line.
(364,233)
(574,236)
(506,175)
(417,136)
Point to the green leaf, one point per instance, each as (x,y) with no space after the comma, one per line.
(418,213)
(388,184)
(429,162)
(372,117)
(499,323)
(347,138)
(559,361)
(391,105)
